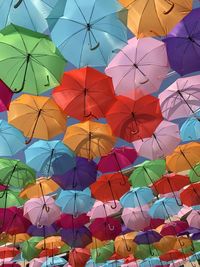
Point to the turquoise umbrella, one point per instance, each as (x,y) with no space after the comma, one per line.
(190,129)
(88,32)
(54,261)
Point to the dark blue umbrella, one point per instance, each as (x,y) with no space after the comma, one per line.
(43,230)
(80,177)
(183,44)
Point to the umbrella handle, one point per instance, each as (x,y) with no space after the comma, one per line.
(18,4)
(193,264)
(111,227)
(48,81)
(34,127)
(95,47)
(146,81)
(170,9)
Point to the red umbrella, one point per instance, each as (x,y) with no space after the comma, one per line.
(174,228)
(8,252)
(105,228)
(69,221)
(115,257)
(85,93)
(191,195)
(78,257)
(110,187)
(154,223)
(48,252)
(134,119)
(173,255)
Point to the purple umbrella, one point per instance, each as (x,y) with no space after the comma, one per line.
(80,177)
(183,44)
(34,230)
(77,238)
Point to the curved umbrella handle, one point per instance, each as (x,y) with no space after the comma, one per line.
(111,227)
(95,47)
(48,81)
(146,81)
(115,205)
(18,4)
(171,7)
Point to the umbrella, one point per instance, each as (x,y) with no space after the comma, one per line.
(16,173)
(184,157)
(190,128)
(164,16)
(147,237)
(139,67)
(76,238)
(147,173)
(194,174)
(85,94)
(37,262)
(75,202)
(124,245)
(162,143)
(173,255)
(178,263)
(164,208)
(151,262)
(102,210)
(79,177)
(8,252)
(100,255)
(144,251)
(190,196)
(54,261)
(42,154)
(110,187)
(69,221)
(180,99)
(18,238)
(42,230)
(78,257)
(135,219)
(31,59)
(92,35)
(50,243)
(89,139)
(41,211)
(29,14)
(105,228)
(134,119)
(183,44)
(28,249)
(173,228)
(43,117)
(5,96)
(10,198)
(118,159)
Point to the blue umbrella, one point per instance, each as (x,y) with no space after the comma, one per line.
(137,197)
(75,202)
(11,139)
(190,129)
(164,208)
(113,263)
(151,262)
(87,32)
(54,261)
(91,263)
(29,14)
(42,154)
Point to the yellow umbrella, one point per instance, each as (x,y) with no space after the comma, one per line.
(124,245)
(18,238)
(96,243)
(184,157)
(155,17)
(182,242)
(37,117)
(51,242)
(89,139)
(42,187)
(170,242)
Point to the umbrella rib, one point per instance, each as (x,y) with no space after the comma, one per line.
(68,38)
(82,48)
(65,18)
(14,47)
(80,11)
(16,74)
(34,77)
(91,14)
(24,2)
(8,12)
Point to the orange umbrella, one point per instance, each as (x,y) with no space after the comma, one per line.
(170,242)
(124,245)
(184,157)
(18,238)
(164,15)
(89,139)
(51,242)
(37,117)
(96,243)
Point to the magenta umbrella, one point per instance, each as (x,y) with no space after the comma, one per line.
(41,211)
(103,210)
(136,220)
(162,143)
(118,159)
(139,68)
(181,99)
(193,219)
(69,221)
(5,96)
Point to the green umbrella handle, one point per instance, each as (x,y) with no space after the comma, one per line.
(170,9)
(18,4)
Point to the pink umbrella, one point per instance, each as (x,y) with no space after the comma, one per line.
(103,210)
(118,159)
(139,68)
(41,211)
(162,143)
(193,219)
(184,211)
(130,264)
(37,262)
(136,220)
(178,263)
(5,96)
(181,99)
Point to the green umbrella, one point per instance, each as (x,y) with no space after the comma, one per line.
(10,198)
(65,248)
(146,251)
(194,248)
(28,249)
(147,173)
(102,254)
(15,173)
(29,61)
(194,174)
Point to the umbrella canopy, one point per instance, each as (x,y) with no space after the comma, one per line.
(34,63)
(89,139)
(173,255)
(69,221)
(190,196)
(75,202)
(164,140)
(91,34)
(100,255)
(194,174)
(53,261)
(124,245)
(41,211)
(190,128)
(134,119)
(181,98)
(37,112)
(5,96)
(50,243)
(10,198)
(82,175)
(147,237)
(8,252)
(118,159)
(183,44)
(173,228)
(78,257)
(37,262)
(28,249)
(42,154)
(164,16)
(42,230)
(85,94)
(139,67)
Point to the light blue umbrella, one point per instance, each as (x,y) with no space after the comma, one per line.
(113,263)
(44,155)
(54,261)
(11,139)
(164,208)
(91,263)
(195,257)
(190,130)
(75,202)
(88,32)
(137,197)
